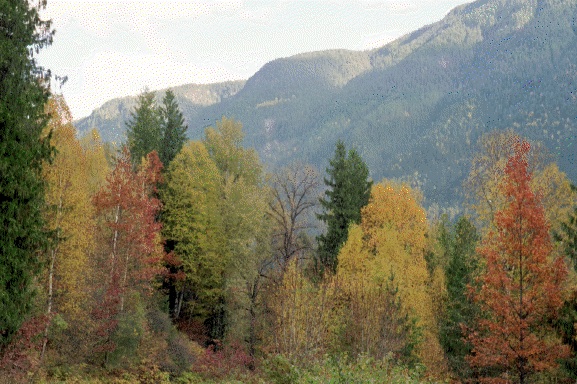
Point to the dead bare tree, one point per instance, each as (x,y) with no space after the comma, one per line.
(294,195)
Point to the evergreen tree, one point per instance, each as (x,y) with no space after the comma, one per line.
(144,129)
(567,322)
(172,127)
(349,191)
(459,243)
(23,93)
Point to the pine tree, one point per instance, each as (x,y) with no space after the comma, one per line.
(349,191)
(23,93)
(144,132)
(172,127)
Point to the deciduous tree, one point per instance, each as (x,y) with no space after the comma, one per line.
(567,322)
(391,239)
(69,215)
(294,192)
(130,249)
(482,186)
(243,206)
(520,291)
(97,163)
(193,232)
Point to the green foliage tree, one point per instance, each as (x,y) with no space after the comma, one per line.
(567,322)
(172,127)
(459,242)
(23,93)
(243,205)
(192,229)
(144,129)
(349,191)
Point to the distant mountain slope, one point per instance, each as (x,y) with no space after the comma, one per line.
(416,107)
(111,118)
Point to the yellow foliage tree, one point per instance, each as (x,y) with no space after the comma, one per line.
(300,315)
(97,165)
(70,217)
(391,241)
(488,171)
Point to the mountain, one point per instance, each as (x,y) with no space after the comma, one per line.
(111,118)
(414,108)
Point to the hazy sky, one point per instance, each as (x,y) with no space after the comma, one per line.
(112,48)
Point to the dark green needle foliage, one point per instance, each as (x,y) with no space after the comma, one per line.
(568,314)
(23,149)
(349,189)
(172,127)
(459,243)
(144,130)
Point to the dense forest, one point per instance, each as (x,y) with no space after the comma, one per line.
(162,259)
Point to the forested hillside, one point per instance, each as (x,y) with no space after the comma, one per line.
(164,259)
(415,107)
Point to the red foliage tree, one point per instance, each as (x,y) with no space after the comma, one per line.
(130,251)
(520,291)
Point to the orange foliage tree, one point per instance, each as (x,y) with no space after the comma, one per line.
(520,290)
(130,249)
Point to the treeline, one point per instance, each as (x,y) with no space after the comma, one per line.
(206,268)
(167,260)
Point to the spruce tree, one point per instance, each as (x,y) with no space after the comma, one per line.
(348,191)
(144,129)
(23,149)
(460,243)
(567,322)
(172,127)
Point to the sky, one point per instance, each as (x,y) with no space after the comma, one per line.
(115,48)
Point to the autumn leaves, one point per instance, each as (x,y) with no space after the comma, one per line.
(521,289)
(230,249)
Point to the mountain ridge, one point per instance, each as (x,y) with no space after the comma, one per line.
(415,107)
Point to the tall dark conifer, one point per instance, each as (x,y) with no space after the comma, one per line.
(567,322)
(172,127)
(459,243)
(144,130)
(348,191)
(23,93)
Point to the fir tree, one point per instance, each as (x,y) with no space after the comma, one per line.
(23,93)
(349,191)
(144,129)
(460,243)
(172,127)
(567,322)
